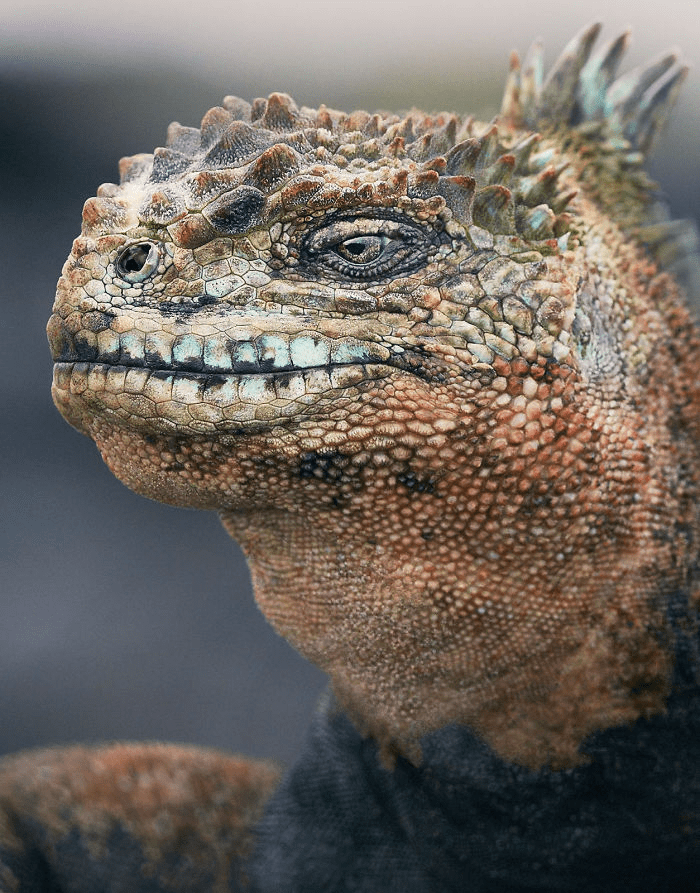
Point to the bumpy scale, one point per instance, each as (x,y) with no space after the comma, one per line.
(438,378)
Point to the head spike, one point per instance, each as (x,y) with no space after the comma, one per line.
(540,188)
(560,89)
(205,185)
(581,89)
(214,123)
(511,109)
(458,192)
(597,75)
(356,121)
(489,146)
(489,175)
(462,158)
(372,128)
(237,144)
(183,139)
(163,206)
(404,129)
(443,138)
(531,78)
(536,223)
(639,103)
(563,200)
(239,108)
(281,113)
(625,94)
(438,164)
(104,215)
(522,151)
(273,166)
(501,171)
(656,107)
(493,209)
(423,184)
(134,167)
(168,163)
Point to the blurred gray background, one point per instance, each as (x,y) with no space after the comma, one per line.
(120,617)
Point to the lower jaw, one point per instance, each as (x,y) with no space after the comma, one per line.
(165,402)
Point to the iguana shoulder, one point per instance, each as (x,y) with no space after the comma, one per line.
(91,818)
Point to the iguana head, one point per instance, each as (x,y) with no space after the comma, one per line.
(420,364)
(277,258)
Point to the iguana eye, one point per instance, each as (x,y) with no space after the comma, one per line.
(138,261)
(366,248)
(363,249)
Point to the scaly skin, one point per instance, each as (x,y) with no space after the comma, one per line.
(438,379)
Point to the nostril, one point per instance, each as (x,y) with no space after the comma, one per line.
(138,261)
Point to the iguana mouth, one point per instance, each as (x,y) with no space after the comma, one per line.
(170,378)
(203,379)
(266,354)
(242,352)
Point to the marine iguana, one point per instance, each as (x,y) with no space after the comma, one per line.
(439,379)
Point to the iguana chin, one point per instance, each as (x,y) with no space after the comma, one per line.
(439,380)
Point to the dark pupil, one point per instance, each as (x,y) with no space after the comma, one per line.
(134,258)
(356,247)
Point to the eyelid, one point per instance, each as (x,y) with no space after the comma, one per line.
(406,247)
(341,230)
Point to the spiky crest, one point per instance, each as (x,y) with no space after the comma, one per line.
(248,161)
(581,88)
(615,121)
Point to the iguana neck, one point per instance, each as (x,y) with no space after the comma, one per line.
(421,621)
